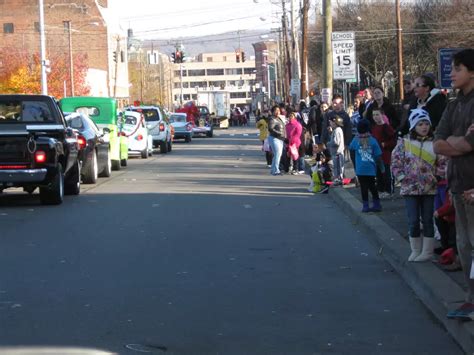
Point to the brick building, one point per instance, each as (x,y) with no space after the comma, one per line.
(94,31)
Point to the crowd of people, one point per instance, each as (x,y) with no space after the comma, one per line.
(426,148)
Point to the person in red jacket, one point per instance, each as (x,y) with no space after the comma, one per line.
(445,217)
(385,135)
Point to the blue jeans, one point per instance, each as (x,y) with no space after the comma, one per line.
(421,206)
(277,148)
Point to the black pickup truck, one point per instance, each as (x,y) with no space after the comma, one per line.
(37,149)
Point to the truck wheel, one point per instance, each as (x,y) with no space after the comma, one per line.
(187,139)
(144,153)
(54,193)
(163,147)
(210,133)
(108,167)
(170,146)
(115,164)
(72,185)
(91,173)
(124,162)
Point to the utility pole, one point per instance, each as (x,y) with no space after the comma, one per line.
(327,49)
(71,61)
(287,50)
(399,51)
(304,56)
(44,75)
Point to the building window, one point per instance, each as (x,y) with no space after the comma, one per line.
(186,97)
(217,84)
(209,59)
(194,96)
(8,28)
(197,72)
(233,71)
(201,84)
(238,95)
(215,71)
(177,73)
(249,70)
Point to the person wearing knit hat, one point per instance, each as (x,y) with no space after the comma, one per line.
(414,166)
(336,148)
(368,156)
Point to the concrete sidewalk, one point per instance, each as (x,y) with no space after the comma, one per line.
(439,291)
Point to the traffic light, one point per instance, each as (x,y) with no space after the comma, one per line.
(243,56)
(178,56)
(173,57)
(182,56)
(115,56)
(237,57)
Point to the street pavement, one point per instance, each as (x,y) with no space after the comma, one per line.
(201,251)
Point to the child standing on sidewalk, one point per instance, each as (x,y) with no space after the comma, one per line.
(336,148)
(387,139)
(414,165)
(367,156)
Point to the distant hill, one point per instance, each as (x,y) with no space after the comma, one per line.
(225,42)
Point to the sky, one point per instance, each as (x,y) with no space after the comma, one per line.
(169,19)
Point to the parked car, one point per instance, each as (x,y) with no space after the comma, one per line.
(158,126)
(103,111)
(182,128)
(203,123)
(37,148)
(94,153)
(139,140)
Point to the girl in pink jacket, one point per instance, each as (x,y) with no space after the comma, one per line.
(293,134)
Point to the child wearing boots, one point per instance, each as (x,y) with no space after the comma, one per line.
(414,166)
(368,156)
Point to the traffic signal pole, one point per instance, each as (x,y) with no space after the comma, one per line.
(44,75)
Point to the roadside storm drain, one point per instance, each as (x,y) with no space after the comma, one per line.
(144,348)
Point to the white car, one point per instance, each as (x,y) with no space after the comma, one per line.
(139,140)
(158,126)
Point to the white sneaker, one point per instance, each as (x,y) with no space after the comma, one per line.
(301,172)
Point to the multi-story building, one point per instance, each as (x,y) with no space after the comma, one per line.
(215,71)
(87,27)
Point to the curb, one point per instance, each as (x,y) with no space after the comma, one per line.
(435,289)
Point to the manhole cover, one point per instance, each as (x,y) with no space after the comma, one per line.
(143,348)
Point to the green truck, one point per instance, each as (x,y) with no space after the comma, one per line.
(103,111)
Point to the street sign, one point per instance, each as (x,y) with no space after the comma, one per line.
(344,56)
(325,95)
(444,66)
(295,86)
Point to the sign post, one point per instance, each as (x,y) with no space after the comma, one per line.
(444,66)
(344,56)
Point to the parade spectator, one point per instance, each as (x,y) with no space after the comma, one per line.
(313,124)
(276,138)
(337,110)
(429,98)
(294,130)
(455,139)
(368,158)
(368,100)
(414,166)
(355,116)
(336,148)
(444,217)
(380,101)
(262,125)
(387,139)
(323,110)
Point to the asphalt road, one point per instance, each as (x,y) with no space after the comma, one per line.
(201,251)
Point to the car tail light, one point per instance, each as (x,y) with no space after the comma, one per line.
(162,127)
(139,137)
(7,167)
(40,156)
(81,141)
(121,134)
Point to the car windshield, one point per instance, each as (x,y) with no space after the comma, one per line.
(203,110)
(177,118)
(150,114)
(27,111)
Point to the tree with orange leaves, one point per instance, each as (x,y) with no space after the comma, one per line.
(21,73)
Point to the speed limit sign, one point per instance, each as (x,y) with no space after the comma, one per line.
(344,56)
